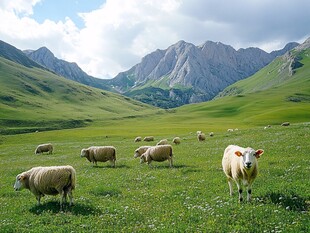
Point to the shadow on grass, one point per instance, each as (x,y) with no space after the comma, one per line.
(109,166)
(54,207)
(292,202)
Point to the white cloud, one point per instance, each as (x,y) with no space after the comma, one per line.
(118,34)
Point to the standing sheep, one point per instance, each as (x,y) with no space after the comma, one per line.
(96,154)
(48,180)
(162,142)
(157,153)
(48,147)
(201,137)
(176,140)
(240,165)
(140,151)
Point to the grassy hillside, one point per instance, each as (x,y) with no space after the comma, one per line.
(34,98)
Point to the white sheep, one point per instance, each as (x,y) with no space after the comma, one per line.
(148,139)
(138,139)
(176,140)
(162,142)
(211,134)
(48,147)
(240,165)
(48,181)
(157,153)
(139,151)
(201,137)
(96,154)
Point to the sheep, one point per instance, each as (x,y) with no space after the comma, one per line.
(139,151)
(48,181)
(176,140)
(148,139)
(157,153)
(240,165)
(138,139)
(285,124)
(48,147)
(230,130)
(162,142)
(201,137)
(211,134)
(100,154)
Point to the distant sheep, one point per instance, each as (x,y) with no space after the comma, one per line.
(148,139)
(211,134)
(138,139)
(162,142)
(201,137)
(140,151)
(230,130)
(48,181)
(48,147)
(240,165)
(96,154)
(157,153)
(285,124)
(176,140)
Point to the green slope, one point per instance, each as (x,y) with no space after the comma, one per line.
(35,98)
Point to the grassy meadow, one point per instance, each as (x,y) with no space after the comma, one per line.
(191,197)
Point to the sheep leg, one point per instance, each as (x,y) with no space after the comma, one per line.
(170,162)
(70,197)
(238,182)
(249,192)
(112,162)
(38,200)
(230,184)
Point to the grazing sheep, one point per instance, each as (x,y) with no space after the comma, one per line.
(285,124)
(140,151)
(48,181)
(201,137)
(148,139)
(211,134)
(240,165)
(157,153)
(138,139)
(96,154)
(48,147)
(230,130)
(162,142)
(176,140)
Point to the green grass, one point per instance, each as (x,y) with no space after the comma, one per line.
(191,197)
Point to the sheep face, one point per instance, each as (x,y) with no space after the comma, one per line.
(19,184)
(249,157)
(137,154)
(84,153)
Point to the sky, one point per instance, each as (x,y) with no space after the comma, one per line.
(105,37)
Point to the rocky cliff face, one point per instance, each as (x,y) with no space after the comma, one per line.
(195,73)
(69,70)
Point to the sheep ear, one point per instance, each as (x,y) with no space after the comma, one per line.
(258,153)
(22,177)
(238,153)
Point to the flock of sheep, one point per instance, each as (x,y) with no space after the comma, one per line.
(239,165)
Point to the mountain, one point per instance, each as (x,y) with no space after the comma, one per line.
(280,72)
(69,70)
(11,53)
(277,93)
(184,73)
(33,98)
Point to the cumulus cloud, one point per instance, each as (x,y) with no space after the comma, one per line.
(119,33)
